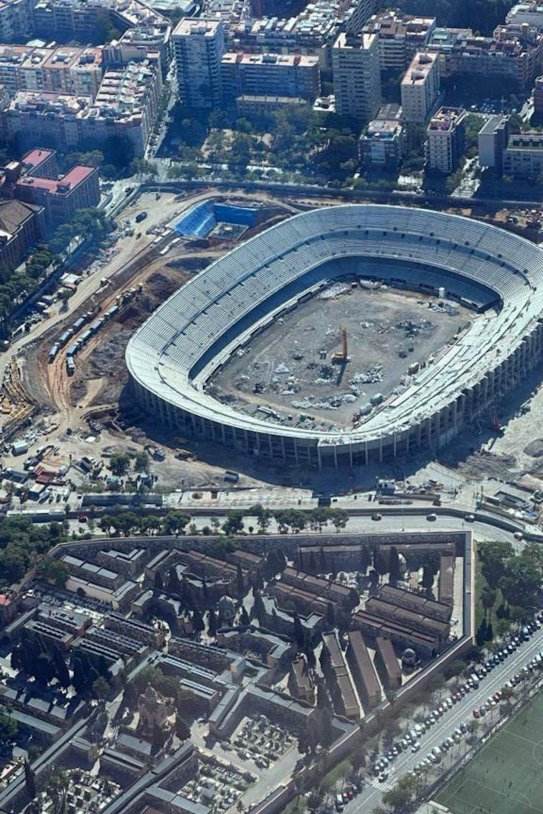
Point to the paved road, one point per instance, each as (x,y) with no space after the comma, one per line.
(462,711)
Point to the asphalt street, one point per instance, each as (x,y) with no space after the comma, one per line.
(372,794)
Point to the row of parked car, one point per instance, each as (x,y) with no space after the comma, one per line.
(508,648)
(411,740)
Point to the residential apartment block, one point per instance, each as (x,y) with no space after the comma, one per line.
(56,70)
(420,88)
(382,144)
(289,75)
(513,53)
(15,20)
(523,156)
(527,13)
(492,140)
(399,37)
(445,142)
(356,76)
(60,195)
(125,107)
(198,46)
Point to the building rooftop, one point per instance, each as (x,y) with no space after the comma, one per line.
(446,119)
(420,67)
(62,185)
(190,26)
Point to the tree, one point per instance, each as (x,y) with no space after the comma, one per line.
(298,633)
(259,609)
(521,583)
(276,562)
(44,669)
(158,582)
(175,522)
(234,522)
(174,584)
(119,463)
(244,617)
(181,729)
(141,462)
(428,575)
(402,795)
(197,621)
(8,728)
(393,565)
(80,679)
(101,688)
(61,670)
(30,780)
(263,517)
(494,557)
(53,570)
(339,518)
(212,623)
(488,598)
(240,581)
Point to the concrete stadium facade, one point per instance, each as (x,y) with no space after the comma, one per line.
(173,354)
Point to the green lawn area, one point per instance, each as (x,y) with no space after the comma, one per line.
(506,777)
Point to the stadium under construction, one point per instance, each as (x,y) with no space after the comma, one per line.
(496,274)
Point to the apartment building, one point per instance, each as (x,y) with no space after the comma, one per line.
(35,180)
(523,156)
(513,53)
(420,88)
(20,230)
(312,32)
(198,46)
(448,44)
(137,43)
(15,20)
(492,141)
(356,76)
(125,107)
(287,75)
(57,70)
(527,13)
(399,37)
(67,20)
(382,144)
(445,139)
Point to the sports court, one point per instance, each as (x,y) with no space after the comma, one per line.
(506,777)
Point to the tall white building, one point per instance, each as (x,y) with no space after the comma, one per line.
(420,88)
(445,139)
(356,75)
(492,141)
(198,47)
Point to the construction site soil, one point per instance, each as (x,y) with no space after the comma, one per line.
(106,361)
(294,372)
